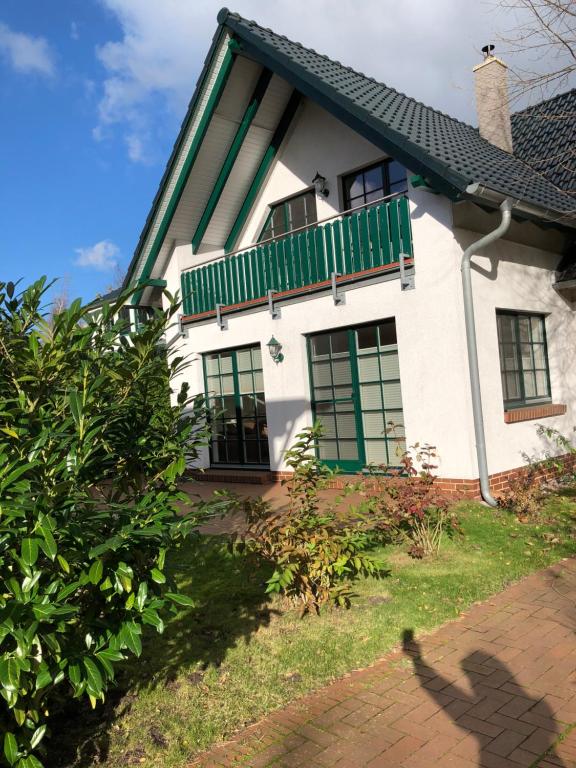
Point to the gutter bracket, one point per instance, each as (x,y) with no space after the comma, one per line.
(274,311)
(407,282)
(338,298)
(222,322)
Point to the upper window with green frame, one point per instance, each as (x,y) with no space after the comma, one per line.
(523,358)
(373,182)
(293,213)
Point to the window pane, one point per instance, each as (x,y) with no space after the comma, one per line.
(227,385)
(348,450)
(506,328)
(258,381)
(539,356)
(541,384)
(226,362)
(368,368)
(211,364)
(328,450)
(353,186)
(392,395)
(229,406)
(373,180)
(370,396)
(389,365)
(245,382)
(509,357)
(321,374)
(342,372)
(248,405)
(339,342)
(296,213)
(373,424)
(512,386)
(346,423)
(252,452)
(256,357)
(397,176)
(387,333)
(527,359)
(524,328)
(278,221)
(243,360)
(320,346)
(395,423)
(537,324)
(366,338)
(376,452)
(529,384)
(323,393)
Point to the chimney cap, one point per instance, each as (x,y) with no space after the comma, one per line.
(487,50)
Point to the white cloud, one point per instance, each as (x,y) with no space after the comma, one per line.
(101,256)
(25,53)
(422,48)
(74,32)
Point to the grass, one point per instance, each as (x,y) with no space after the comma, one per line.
(239,654)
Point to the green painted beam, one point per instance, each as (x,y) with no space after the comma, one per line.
(233,152)
(266,162)
(213,100)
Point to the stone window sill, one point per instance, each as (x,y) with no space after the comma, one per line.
(534,412)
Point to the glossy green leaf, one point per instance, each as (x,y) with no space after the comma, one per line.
(29,551)
(10,748)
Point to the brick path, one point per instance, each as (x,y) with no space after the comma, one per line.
(496,689)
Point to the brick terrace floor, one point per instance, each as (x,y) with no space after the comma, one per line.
(496,688)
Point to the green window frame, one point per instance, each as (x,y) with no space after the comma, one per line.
(524,366)
(356,395)
(294,212)
(373,182)
(234,386)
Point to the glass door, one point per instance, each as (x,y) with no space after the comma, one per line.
(356,396)
(235,396)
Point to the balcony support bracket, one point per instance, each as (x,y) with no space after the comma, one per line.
(183,332)
(222,322)
(272,308)
(338,298)
(406,278)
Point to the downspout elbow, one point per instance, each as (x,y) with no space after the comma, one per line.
(472,346)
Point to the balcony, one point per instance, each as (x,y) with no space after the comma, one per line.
(364,242)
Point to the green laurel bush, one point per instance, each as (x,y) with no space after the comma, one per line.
(90,453)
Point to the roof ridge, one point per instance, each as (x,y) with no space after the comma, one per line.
(225,13)
(545,101)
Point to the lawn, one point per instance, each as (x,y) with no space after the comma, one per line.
(239,654)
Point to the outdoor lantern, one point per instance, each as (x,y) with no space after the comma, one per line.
(319,182)
(275,349)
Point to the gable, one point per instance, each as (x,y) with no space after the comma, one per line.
(244,104)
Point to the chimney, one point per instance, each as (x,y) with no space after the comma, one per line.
(492,100)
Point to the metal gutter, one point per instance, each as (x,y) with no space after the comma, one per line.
(481,193)
(472,345)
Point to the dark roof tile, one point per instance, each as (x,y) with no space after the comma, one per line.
(448,147)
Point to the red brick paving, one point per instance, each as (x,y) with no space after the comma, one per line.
(494,689)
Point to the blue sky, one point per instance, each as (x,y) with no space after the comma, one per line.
(92,93)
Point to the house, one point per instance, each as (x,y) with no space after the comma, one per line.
(323,232)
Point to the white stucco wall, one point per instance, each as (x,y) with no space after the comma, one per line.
(429,319)
(519,277)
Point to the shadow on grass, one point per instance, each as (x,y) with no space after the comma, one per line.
(231,605)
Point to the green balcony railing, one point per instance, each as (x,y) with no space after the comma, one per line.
(357,244)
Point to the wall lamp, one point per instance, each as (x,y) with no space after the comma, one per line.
(275,349)
(319,182)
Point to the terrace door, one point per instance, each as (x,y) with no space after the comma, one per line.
(356,396)
(235,395)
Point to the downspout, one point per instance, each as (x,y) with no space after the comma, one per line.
(506,209)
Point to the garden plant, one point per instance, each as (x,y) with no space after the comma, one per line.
(91,450)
